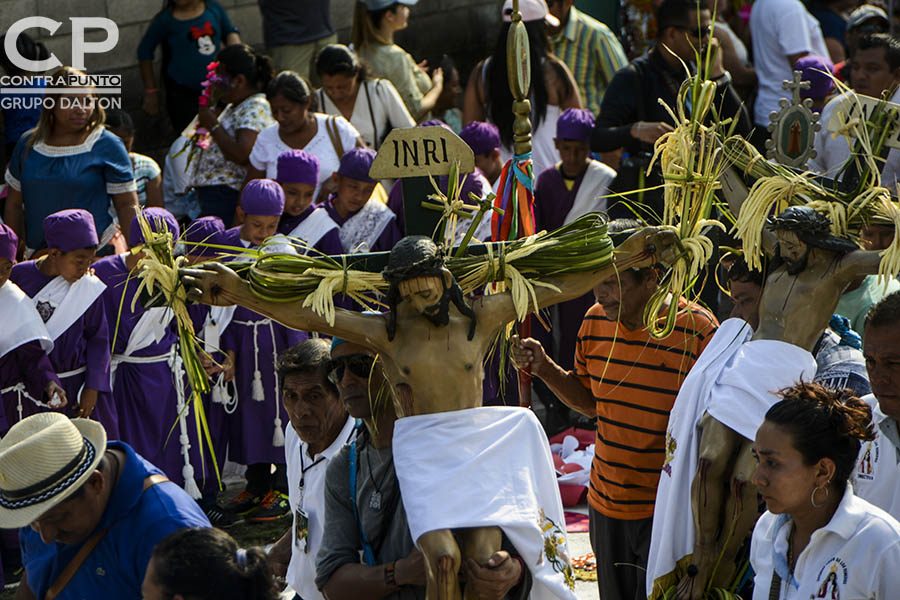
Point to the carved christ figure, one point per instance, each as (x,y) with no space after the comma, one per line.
(432,343)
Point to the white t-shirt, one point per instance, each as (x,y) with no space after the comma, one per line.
(387,110)
(269,146)
(855,556)
(301,572)
(876,477)
(832,153)
(780,28)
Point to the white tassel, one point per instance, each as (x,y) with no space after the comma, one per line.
(278,436)
(256,389)
(190,486)
(219,395)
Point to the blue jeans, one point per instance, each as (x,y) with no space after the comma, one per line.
(218,201)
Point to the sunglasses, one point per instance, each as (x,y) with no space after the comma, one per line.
(700,33)
(359,364)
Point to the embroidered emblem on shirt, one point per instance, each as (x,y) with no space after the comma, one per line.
(832,576)
(45,309)
(671,446)
(869,459)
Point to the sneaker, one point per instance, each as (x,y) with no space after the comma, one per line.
(222,518)
(274,506)
(243,503)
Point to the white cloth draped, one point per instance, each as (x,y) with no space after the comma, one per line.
(22,323)
(734,379)
(592,191)
(70,300)
(360,232)
(314,227)
(480,467)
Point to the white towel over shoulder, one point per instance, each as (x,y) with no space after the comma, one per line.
(481,467)
(734,379)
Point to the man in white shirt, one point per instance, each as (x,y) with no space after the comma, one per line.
(319,427)
(874,70)
(877,474)
(783,31)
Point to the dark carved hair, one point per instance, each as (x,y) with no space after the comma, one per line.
(309,356)
(812,227)
(207,564)
(418,256)
(824,423)
(885,313)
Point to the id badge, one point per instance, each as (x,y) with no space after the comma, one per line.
(301,530)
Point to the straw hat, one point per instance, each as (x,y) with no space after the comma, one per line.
(44,459)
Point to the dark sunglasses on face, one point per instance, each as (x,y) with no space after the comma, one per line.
(359,364)
(700,33)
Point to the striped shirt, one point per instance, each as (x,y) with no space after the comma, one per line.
(634,380)
(593,54)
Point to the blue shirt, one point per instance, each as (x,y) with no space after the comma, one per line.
(54,178)
(137,521)
(188,46)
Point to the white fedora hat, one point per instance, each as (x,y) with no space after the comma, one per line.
(44,459)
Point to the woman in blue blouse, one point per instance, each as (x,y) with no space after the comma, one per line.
(69,161)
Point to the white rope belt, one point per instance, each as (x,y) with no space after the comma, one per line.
(72,373)
(256,388)
(21,392)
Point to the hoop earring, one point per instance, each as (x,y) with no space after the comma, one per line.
(812,496)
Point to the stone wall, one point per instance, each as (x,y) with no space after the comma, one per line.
(463,29)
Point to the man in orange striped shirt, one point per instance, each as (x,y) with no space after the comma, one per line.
(628,381)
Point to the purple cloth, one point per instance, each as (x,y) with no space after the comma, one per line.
(552,202)
(475,182)
(205,230)
(390,236)
(250,428)
(482,138)
(9,242)
(30,365)
(575,124)
(71,229)
(263,197)
(144,393)
(434,123)
(84,344)
(816,70)
(156,217)
(330,243)
(355,164)
(298,166)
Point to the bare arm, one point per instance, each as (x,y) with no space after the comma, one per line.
(352,581)
(279,555)
(24,592)
(431,98)
(793,58)
(473,107)
(252,173)
(644,248)
(154,192)
(126,205)
(236,149)
(858,262)
(232,38)
(741,74)
(217,285)
(14,215)
(565,385)
(736,191)
(151,98)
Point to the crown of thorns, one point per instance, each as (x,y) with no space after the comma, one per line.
(413,256)
(812,227)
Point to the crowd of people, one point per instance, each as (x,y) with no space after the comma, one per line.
(101,464)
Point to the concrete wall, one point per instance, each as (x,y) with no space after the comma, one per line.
(463,29)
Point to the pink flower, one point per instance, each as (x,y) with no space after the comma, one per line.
(203,143)
(203,101)
(212,66)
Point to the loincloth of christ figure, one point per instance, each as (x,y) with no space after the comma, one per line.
(706,502)
(433,342)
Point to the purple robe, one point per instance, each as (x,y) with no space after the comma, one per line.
(330,243)
(390,236)
(29,364)
(552,202)
(144,393)
(84,344)
(215,413)
(250,429)
(475,182)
